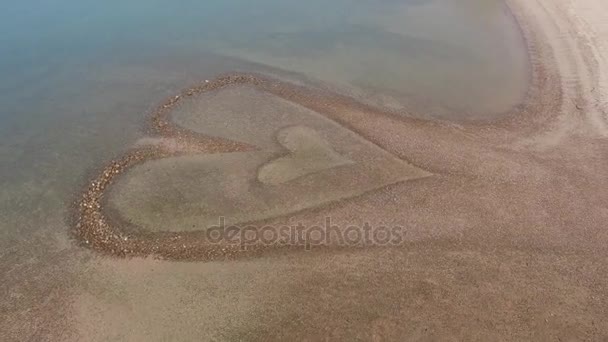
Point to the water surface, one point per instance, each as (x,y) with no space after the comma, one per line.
(78,78)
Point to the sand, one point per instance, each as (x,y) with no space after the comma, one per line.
(506,240)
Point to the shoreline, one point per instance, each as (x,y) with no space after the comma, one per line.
(540,123)
(506,240)
(554,41)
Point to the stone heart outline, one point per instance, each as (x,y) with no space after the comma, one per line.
(98,229)
(191,192)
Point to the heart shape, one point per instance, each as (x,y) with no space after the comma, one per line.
(327,162)
(309,153)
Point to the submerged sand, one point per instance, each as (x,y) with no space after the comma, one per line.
(303,160)
(506,240)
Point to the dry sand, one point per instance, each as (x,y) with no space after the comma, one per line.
(506,241)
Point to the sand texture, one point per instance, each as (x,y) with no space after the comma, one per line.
(506,223)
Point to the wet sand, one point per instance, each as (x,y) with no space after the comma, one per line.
(505,241)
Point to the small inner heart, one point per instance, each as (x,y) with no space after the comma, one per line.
(310,153)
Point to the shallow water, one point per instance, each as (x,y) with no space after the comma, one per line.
(78,78)
(325,162)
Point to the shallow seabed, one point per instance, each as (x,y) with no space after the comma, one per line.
(82,78)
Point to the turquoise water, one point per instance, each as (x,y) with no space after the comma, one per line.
(78,77)
(463,55)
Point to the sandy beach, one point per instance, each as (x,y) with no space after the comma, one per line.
(506,226)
